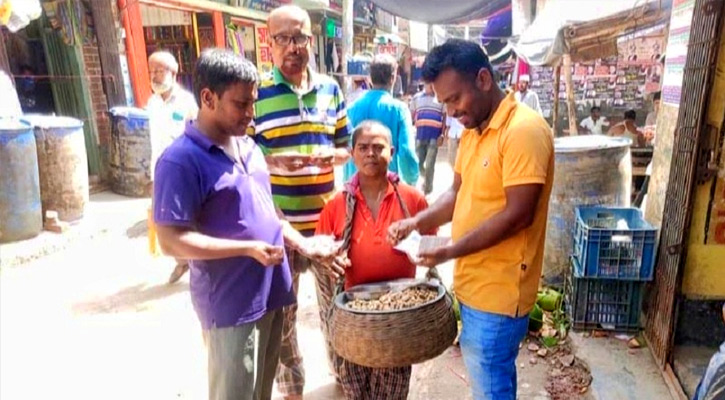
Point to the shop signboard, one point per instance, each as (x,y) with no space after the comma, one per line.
(264,52)
(332,29)
(261,5)
(680,23)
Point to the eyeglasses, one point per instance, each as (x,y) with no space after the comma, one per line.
(284,40)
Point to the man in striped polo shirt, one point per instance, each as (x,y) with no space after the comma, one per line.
(301,126)
(428,118)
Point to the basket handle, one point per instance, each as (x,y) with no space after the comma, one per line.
(432,275)
(339,287)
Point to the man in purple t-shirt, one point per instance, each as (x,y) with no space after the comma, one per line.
(213,206)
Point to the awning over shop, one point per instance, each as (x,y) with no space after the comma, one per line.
(585,30)
(442,12)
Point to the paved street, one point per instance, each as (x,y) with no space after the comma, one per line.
(97,321)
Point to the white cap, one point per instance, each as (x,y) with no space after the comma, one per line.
(524,78)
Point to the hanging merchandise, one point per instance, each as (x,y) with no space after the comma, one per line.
(335,57)
(17,14)
(73,20)
(235,39)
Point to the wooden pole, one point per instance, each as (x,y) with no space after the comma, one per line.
(557,84)
(570,103)
(108,51)
(220,37)
(135,51)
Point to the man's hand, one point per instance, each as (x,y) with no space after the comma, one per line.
(441,139)
(399,230)
(321,248)
(323,157)
(432,257)
(338,265)
(290,160)
(265,253)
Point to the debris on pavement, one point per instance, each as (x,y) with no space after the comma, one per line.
(569,376)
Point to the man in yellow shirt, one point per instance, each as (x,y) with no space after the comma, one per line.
(498,205)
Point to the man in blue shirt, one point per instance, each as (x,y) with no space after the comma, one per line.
(429,117)
(378,104)
(213,206)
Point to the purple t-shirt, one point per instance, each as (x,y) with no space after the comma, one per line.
(197,185)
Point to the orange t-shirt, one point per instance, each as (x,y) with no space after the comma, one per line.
(516,148)
(373,259)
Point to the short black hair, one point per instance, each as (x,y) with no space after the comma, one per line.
(217,69)
(465,57)
(382,69)
(631,114)
(657,96)
(369,125)
(595,108)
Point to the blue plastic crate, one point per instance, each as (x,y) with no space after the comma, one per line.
(607,304)
(605,250)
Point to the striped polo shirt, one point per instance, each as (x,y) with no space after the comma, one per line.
(286,120)
(428,116)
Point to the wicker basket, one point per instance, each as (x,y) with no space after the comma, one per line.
(393,338)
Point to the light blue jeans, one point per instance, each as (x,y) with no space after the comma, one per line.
(490,344)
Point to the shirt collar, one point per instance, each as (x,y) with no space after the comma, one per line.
(501,115)
(201,140)
(312,76)
(353,185)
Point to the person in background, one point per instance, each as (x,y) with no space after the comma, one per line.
(359,87)
(454,131)
(380,199)
(167,94)
(428,118)
(594,124)
(712,384)
(652,115)
(170,107)
(240,277)
(526,96)
(628,128)
(498,205)
(398,85)
(301,125)
(650,124)
(378,104)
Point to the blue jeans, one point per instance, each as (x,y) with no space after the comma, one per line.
(490,344)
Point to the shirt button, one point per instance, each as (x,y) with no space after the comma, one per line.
(523,267)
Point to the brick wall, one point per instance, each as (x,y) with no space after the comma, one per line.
(98,96)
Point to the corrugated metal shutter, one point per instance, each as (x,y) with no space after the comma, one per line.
(698,75)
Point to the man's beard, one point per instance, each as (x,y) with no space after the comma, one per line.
(163,87)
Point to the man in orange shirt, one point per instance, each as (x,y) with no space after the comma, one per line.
(498,205)
(377,198)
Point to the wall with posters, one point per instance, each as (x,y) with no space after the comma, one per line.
(676,50)
(615,84)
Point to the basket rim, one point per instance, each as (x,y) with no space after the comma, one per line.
(340,301)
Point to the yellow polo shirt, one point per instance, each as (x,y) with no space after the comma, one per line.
(516,148)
